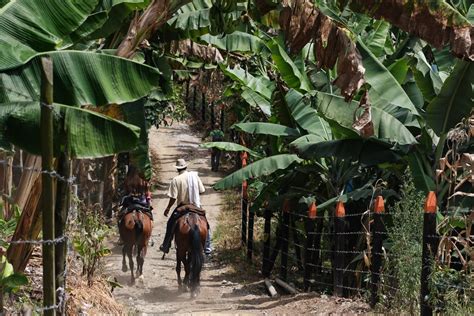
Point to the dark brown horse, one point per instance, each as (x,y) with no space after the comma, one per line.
(190,238)
(135,230)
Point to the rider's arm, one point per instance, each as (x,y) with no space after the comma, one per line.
(170,204)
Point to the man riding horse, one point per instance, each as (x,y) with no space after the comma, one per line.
(184,189)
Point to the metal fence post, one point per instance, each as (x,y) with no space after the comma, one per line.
(430,247)
(377,239)
(338,269)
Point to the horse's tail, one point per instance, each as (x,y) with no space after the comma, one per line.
(138,226)
(197,257)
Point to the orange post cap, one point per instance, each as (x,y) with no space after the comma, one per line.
(379,205)
(431,203)
(312,210)
(340,210)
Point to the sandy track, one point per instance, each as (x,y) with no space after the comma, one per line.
(159,293)
(223,290)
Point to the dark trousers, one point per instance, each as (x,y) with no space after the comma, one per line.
(169,229)
(215,159)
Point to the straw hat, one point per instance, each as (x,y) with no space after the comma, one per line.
(180,164)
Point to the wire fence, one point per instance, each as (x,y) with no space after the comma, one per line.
(347,253)
(91,193)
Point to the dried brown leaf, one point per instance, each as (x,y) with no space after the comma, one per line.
(434,21)
(302,21)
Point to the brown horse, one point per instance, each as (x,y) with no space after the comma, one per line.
(190,238)
(135,230)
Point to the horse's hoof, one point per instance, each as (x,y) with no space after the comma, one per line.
(194,294)
(132,281)
(124,268)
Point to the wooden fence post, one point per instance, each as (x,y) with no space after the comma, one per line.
(244,202)
(186,100)
(430,247)
(203,107)
(309,250)
(193,108)
(213,115)
(222,117)
(250,234)
(285,236)
(377,239)
(266,242)
(338,259)
(47,196)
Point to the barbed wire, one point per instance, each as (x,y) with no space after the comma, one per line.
(51,173)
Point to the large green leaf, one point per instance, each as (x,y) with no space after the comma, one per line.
(455,100)
(256,100)
(263,167)
(290,73)
(421,172)
(385,89)
(386,126)
(375,40)
(134,113)
(82,78)
(236,42)
(107,18)
(260,85)
(367,152)
(266,129)
(228,146)
(88,134)
(31,27)
(305,116)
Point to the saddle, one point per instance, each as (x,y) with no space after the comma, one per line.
(190,208)
(132,203)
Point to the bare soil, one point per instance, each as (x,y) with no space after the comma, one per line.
(224,288)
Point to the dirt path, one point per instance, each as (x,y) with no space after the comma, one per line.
(222,289)
(159,293)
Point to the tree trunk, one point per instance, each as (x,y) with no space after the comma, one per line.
(27,180)
(28,228)
(7,186)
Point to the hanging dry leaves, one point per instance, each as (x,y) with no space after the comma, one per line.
(302,22)
(433,21)
(363,123)
(188,48)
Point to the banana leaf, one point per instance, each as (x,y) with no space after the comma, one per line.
(229,146)
(387,89)
(266,129)
(31,27)
(455,100)
(375,40)
(305,116)
(236,42)
(82,78)
(260,85)
(87,134)
(134,113)
(256,100)
(112,14)
(289,72)
(368,152)
(260,168)
(387,127)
